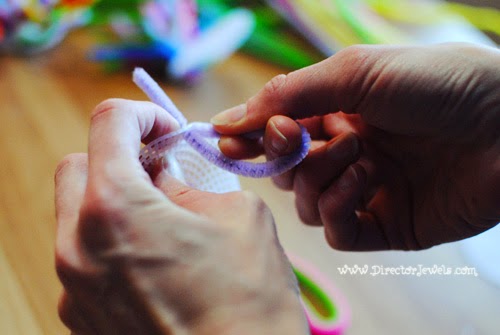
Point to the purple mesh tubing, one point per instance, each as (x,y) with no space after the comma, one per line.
(197,135)
(197,138)
(155,149)
(147,84)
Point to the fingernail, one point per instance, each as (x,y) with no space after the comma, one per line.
(229,116)
(278,141)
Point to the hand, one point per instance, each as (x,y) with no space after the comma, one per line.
(140,254)
(408,143)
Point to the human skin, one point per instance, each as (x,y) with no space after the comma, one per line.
(408,143)
(142,253)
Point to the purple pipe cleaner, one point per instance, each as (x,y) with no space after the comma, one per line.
(200,135)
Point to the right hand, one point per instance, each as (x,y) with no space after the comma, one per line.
(414,159)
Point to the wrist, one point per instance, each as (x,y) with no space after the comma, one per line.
(285,318)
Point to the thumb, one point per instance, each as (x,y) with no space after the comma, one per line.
(408,90)
(192,199)
(224,209)
(337,83)
(175,190)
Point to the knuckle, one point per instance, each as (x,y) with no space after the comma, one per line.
(108,193)
(453,47)
(302,181)
(250,199)
(307,198)
(184,195)
(75,160)
(354,54)
(99,201)
(102,213)
(81,266)
(327,203)
(333,241)
(312,175)
(284,182)
(70,314)
(68,318)
(64,310)
(344,235)
(70,271)
(274,87)
(108,106)
(306,186)
(255,207)
(307,211)
(304,218)
(357,62)
(66,270)
(307,219)
(339,240)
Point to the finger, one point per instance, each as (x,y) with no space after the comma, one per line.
(344,228)
(78,274)
(117,181)
(315,127)
(222,210)
(238,147)
(119,192)
(338,83)
(116,130)
(319,170)
(71,315)
(70,181)
(195,202)
(113,312)
(70,184)
(339,123)
(118,186)
(282,137)
(194,205)
(179,193)
(378,168)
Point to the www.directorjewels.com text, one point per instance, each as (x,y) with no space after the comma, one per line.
(406,270)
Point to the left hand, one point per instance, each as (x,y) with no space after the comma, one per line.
(141,254)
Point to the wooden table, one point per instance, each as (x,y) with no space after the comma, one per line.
(45,102)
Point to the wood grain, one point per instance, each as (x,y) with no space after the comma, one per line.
(44,106)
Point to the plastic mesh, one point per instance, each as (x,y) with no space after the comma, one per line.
(187,165)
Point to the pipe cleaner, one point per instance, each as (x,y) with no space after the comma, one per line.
(28,27)
(170,33)
(199,134)
(335,24)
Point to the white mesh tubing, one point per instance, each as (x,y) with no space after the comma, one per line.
(187,165)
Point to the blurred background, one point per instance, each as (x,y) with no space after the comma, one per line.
(59,59)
